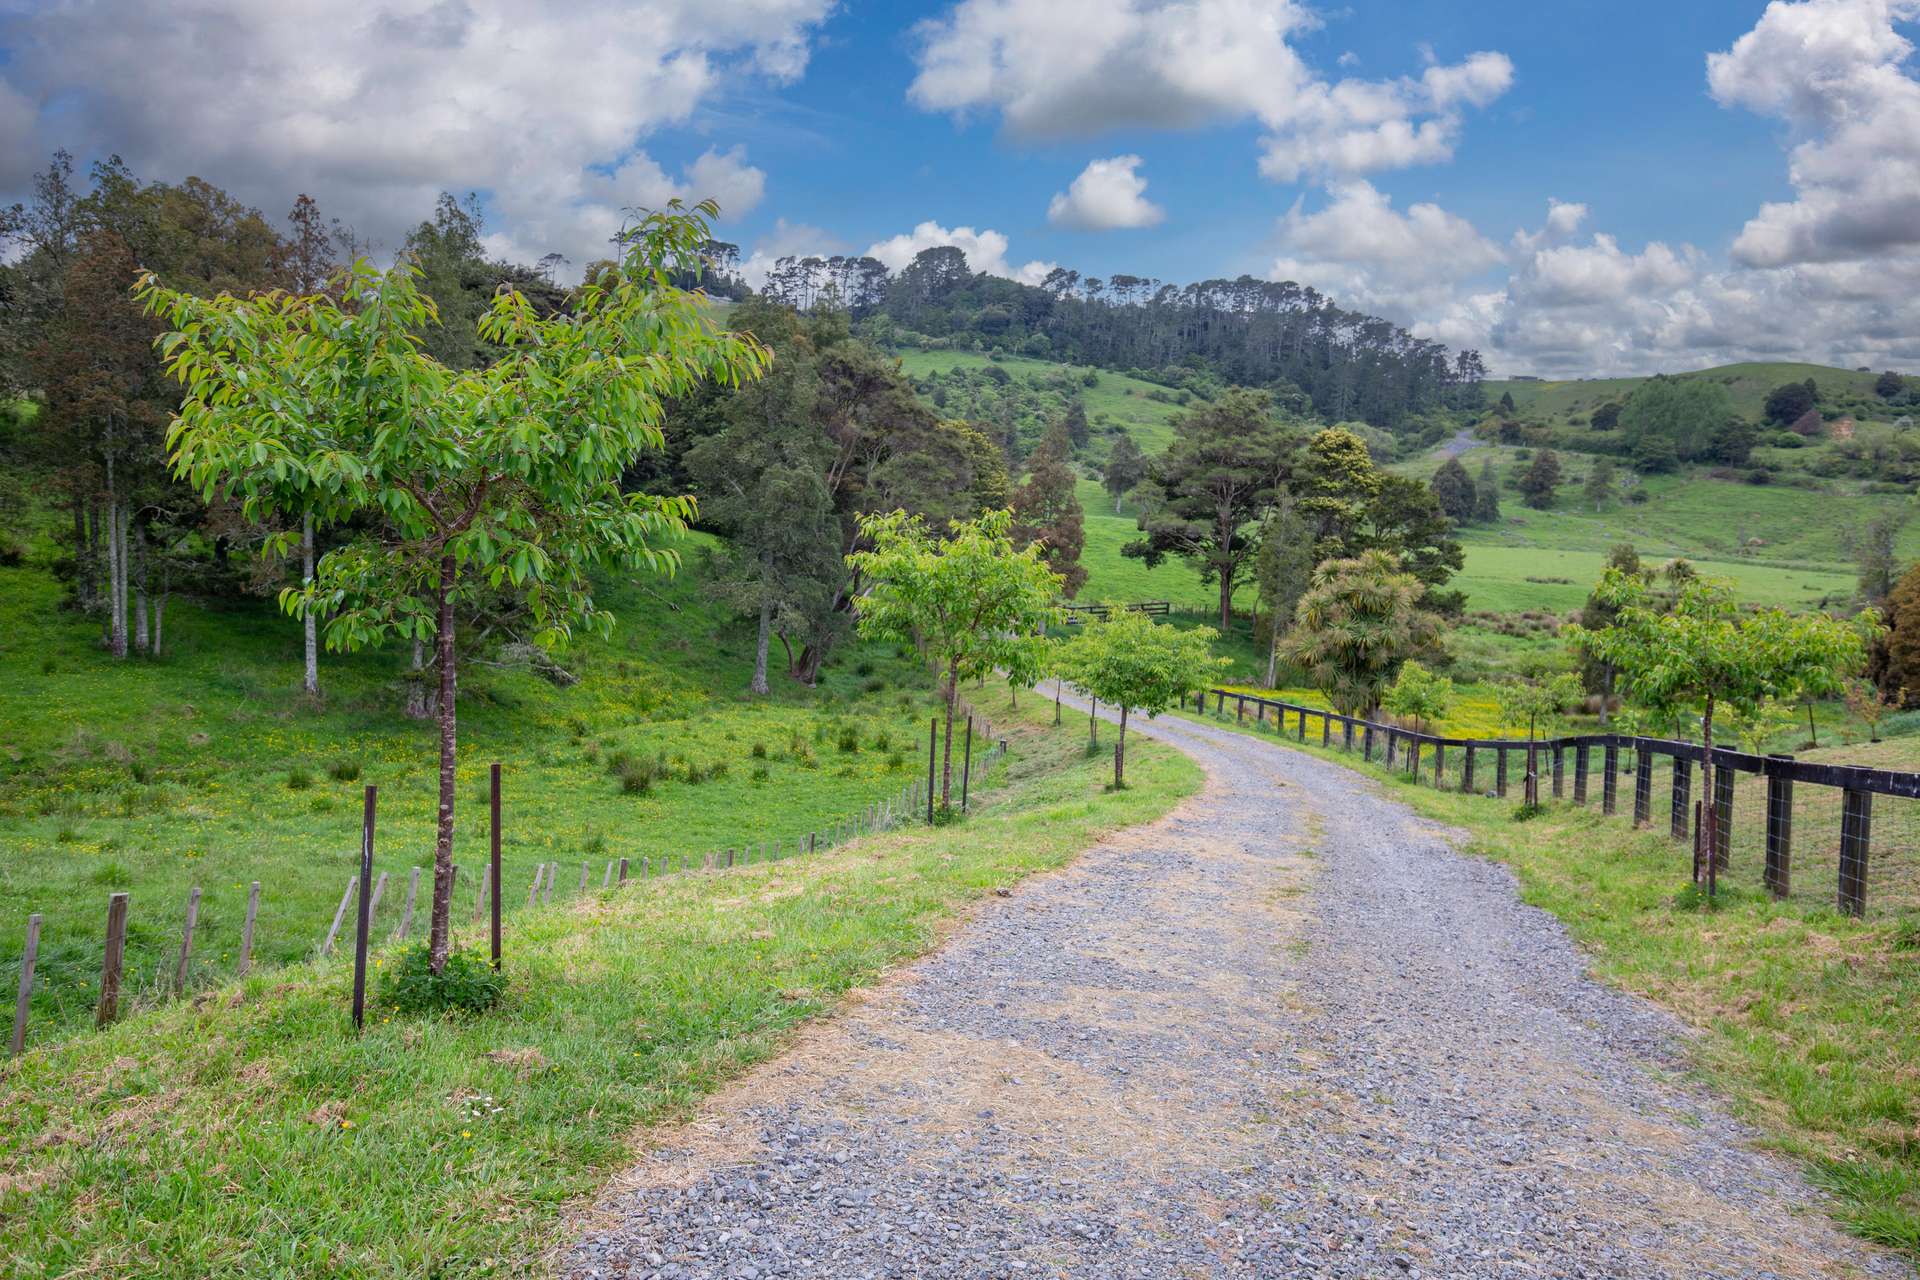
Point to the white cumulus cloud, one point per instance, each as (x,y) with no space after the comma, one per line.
(1061,68)
(375,109)
(986,250)
(1108,195)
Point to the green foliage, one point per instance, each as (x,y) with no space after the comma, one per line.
(299,778)
(1453,490)
(1360,621)
(1540,483)
(1675,415)
(1419,694)
(465,984)
(1535,704)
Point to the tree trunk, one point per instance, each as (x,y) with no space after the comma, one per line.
(1056,700)
(159,618)
(946,761)
(83,559)
(1273,655)
(1120,754)
(1093,721)
(117,516)
(140,641)
(310,678)
(416,683)
(1226,603)
(1812,733)
(1606,692)
(759,684)
(443,840)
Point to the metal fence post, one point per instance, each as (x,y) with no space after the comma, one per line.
(1779,872)
(1642,787)
(1856,838)
(1682,796)
(1610,784)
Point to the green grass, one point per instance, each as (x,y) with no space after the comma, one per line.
(1805,1015)
(154,776)
(1748,384)
(249,1132)
(1115,397)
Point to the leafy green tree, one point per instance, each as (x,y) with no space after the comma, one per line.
(1506,403)
(1133,663)
(1606,417)
(1358,623)
(1888,385)
(1597,674)
(1079,433)
(968,601)
(1701,652)
(1453,490)
(1215,480)
(507,474)
(1540,483)
(1486,495)
(1601,478)
(1535,703)
(1875,552)
(1422,695)
(1785,404)
(1897,656)
(1126,467)
(1334,486)
(1684,413)
(1283,571)
(1046,511)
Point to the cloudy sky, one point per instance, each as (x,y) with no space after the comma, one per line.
(1573,188)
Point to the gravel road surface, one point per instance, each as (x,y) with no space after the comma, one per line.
(1285,1031)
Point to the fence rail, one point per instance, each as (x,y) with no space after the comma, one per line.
(1763,803)
(1152,608)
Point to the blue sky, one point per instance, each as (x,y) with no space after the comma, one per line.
(1572,188)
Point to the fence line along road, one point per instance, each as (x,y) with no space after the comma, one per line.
(1764,803)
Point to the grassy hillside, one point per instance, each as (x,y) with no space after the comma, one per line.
(1556,402)
(207,767)
(1112,398)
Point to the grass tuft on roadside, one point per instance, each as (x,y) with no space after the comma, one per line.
(247,1132)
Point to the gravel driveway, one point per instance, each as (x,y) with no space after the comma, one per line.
(1285,1031)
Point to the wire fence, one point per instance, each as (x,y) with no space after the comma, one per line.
(390,915)
(1848,835)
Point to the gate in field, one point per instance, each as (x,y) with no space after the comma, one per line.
(1152,608)
(1799,821)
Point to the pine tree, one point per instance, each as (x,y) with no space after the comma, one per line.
(1541,480)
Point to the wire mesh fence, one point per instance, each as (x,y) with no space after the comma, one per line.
(1847,836)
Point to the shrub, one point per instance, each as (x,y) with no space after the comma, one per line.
(468,984)
(896,762)
(636,778)
(875,685)
(717,770)
(945,815)
(849,741)
(344,770)
(298,779)
(760,773)
(883,741)
(863,669)
(595,843)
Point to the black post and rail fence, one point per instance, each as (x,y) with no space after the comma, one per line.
(1787,827)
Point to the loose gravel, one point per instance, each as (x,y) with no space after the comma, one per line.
(1285,1031)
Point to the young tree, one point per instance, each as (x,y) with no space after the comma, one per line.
(1453,490)
(1360,620)
(1875,552)
(1537,704)
(1506,403)
(1600,481)
(1216,478)
(1133,663)
(1888,385)
(1869,706)
(1424,696)
(1283,571)
(1486,495)
(504,474)
(1541,481)
(967,601)
(1126,467)
(1701,652)
(1606,417)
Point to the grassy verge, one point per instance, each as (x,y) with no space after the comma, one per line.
(1806,1015)
(247,1132)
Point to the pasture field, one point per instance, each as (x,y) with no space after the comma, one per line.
(207,767)
(250,1132)
(1748,384)
(1123,400)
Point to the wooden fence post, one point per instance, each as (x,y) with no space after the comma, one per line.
(366,911)
(1239,710)
(246,931)
(22,1002)
(186,940)
(339,914)
(1580,774)
(1779,872)
(379,890)
(1326,731)
(1682,797)
(1609,785)
(113,961)
(546,890)
(533,890)
(1559,770)
(406,912)
(623,871)
(583,876)
(1642,787)
(933,745)
(1856,839)
(607,880)
(1439,764)
(1466,771)
(1393,742)
(966,766)
(1500,772)
(493,863)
